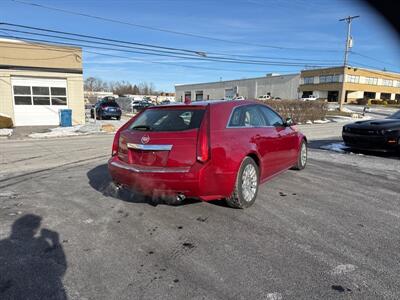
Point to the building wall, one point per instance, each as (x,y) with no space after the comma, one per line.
(362,82)
(43,61)
(74,92)
(23,54)
(283,86)
(6,104)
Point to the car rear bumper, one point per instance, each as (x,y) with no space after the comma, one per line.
(197,181)
(111,113)
(371,142)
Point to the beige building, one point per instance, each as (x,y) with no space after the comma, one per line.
(37,80)
(356,83)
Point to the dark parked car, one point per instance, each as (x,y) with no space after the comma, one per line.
(205,150)
(141,105)
(106,108)
(374,135)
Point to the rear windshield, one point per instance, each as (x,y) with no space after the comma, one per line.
(111,103)
(168,120)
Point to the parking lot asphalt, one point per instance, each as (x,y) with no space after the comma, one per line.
(330,231)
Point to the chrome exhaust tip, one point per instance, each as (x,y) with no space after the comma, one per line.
(180,197)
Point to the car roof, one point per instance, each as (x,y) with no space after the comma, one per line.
(228,103)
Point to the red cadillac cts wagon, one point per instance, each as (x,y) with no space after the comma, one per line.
(207,150)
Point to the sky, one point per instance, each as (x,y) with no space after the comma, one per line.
(305,31)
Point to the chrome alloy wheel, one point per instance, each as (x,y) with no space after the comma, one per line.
(249,182)
(303,154)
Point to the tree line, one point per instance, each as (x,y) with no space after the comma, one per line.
(94,84)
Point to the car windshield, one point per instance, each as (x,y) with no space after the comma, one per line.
(168,120)
(396,115)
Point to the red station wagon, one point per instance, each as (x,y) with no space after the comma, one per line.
(207,150)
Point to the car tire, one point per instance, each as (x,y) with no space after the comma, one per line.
(119,118)
(245,193)
(301,157)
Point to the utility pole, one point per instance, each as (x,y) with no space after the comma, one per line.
(349,44)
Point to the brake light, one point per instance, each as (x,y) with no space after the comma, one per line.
(203,139)
(115,145)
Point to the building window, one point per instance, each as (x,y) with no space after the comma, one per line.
(199,95)
(387,82)
(308,80)
(385,96)
(353,78)
(39,95)
(397,97)
(188,96)
(397,83)
(371,80)
(369,95)
(328,78)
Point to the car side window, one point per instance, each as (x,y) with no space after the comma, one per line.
(272,118)
(247,116)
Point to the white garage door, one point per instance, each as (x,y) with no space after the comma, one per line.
(37,101)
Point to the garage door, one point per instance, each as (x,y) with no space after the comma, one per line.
(37,101)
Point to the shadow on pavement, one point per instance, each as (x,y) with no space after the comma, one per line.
(101,181)
(31,266)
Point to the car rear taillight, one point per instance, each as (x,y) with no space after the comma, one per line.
(115,145)
(203,139)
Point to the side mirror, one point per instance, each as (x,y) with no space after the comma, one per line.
(289,122)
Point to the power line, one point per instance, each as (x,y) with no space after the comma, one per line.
(214,59)
(52,48)
(184,66)
(165,30)
(101,38)
(173,50)
(374,59)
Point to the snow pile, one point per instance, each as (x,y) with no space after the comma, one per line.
(58,132)
(345,109)
(344,119)
(90,128)
(337,147)
(321,121)
(6,132)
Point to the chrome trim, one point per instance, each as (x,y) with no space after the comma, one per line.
(137,169)
(149,147)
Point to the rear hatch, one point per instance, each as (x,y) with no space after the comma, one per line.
(162,137)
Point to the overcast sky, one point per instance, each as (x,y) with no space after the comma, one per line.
(267,28)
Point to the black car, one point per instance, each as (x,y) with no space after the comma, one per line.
(141,105)
(106,108)
(374,135)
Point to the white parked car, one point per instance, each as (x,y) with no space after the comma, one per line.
(309,98)
(264,97)
(239,98)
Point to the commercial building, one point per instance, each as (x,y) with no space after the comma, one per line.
(353,82)
(37,80)
(282,86)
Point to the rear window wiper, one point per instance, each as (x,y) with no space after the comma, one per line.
(142,127)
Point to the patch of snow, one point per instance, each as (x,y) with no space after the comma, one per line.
(322,121)
(68,131)
(344,119)
(337,147)
(342,269)
(345,109)
(309,122)
(58,132)
(274,296)
(6,132)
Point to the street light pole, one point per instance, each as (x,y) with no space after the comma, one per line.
(348,20)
